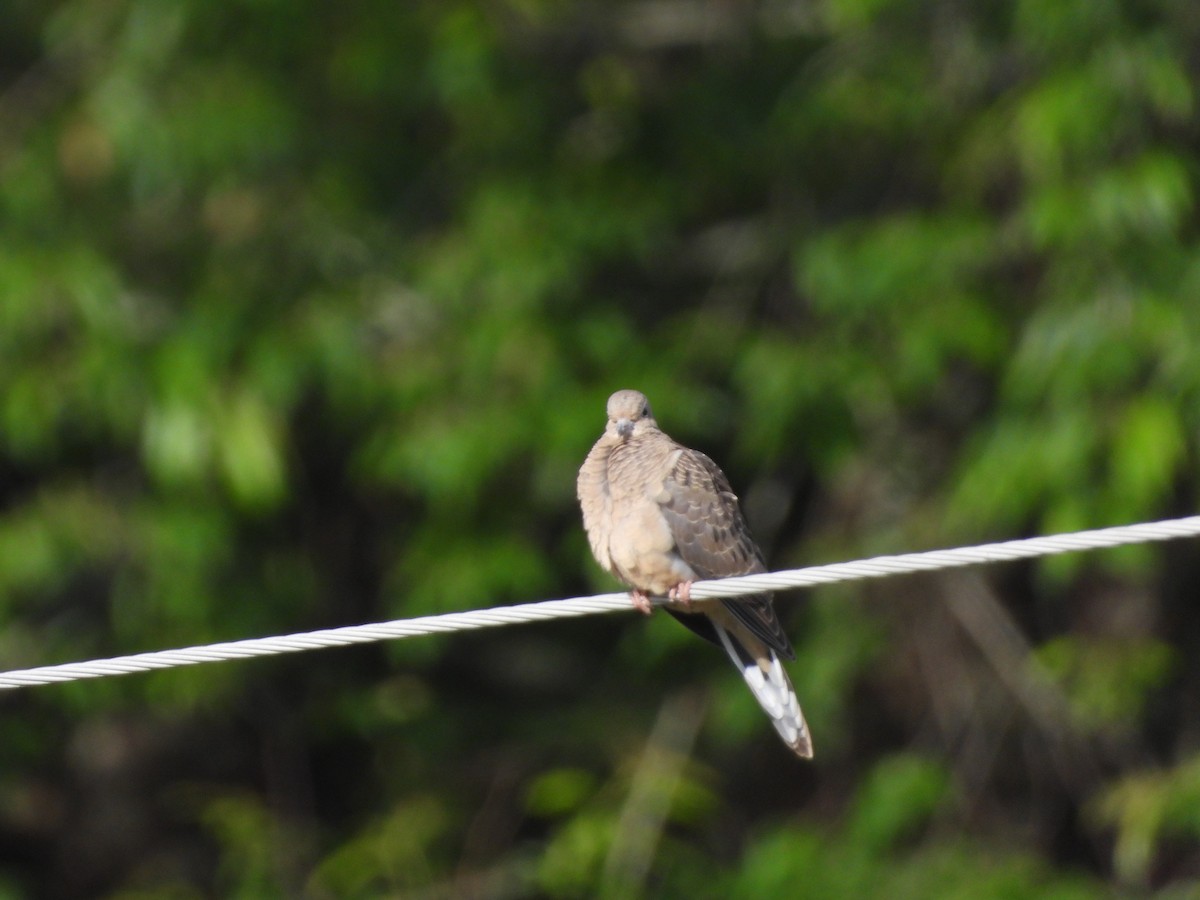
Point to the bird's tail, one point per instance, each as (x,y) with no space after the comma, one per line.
(773,690)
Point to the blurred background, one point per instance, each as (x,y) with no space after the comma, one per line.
(308,313)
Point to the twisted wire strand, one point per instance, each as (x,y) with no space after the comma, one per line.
(877,567)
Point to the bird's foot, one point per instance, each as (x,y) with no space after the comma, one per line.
(682,594)
(641,602)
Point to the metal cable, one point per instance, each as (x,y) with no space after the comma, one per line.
(877,567)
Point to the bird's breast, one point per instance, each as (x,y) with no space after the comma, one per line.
(641,545)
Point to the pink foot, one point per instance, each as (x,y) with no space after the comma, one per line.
(641,602)
(682,594)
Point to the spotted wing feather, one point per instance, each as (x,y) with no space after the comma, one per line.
(711,536)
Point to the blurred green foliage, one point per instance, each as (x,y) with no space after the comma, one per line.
(307,317)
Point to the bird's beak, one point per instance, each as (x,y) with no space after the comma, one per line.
(624,427)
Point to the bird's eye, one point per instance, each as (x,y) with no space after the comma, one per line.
(646,411)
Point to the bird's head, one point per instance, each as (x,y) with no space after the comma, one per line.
(629,414)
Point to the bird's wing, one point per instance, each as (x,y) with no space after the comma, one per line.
(711,536)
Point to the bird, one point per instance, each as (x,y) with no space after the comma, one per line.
(660,516)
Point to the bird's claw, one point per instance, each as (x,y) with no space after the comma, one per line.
(641,602)
(682,594)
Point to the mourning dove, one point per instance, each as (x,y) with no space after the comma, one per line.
(659,516)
